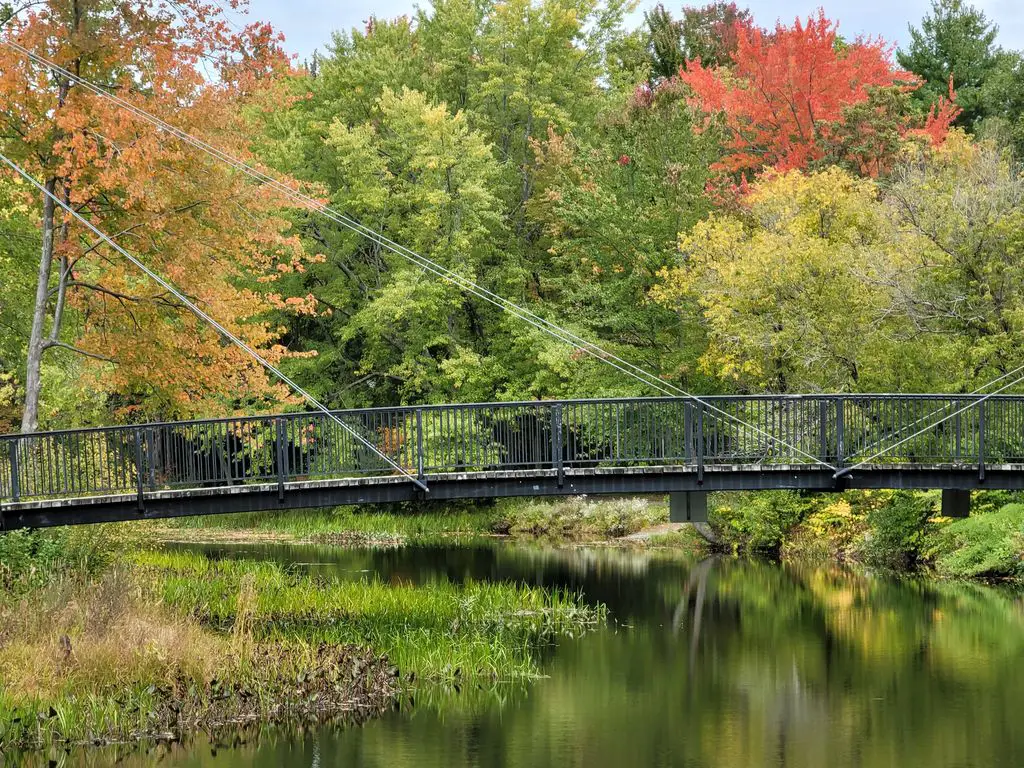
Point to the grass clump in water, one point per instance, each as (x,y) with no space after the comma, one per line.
(436,632)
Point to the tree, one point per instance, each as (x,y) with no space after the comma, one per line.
(790,287)
(186,215)
(1003,97)
(18,244)
(955,44)
(711,33)
(423,178)
(707,34)
(965,203)
(788,94)
(665,36)
(611,212)
(462,75)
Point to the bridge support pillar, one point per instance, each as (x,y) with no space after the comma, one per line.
(955,503)
(688,507)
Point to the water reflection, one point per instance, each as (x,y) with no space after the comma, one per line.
(712,663)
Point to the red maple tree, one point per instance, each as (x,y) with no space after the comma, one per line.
(788,92)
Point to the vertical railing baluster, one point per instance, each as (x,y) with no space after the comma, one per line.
(687,432)
(139,471)
(700,443)
(420,461)
(823,428)
(12,446)
(556,443)
(981,440)
(279,439)
(840,436)
(957,425)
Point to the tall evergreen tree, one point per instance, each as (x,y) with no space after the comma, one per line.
(956,40)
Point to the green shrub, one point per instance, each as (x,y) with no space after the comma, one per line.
(759,522)
(579,516)
(897,530)
(32,558)
(984,544)
(993,501)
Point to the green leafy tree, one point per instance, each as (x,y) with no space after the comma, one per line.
(665,36)
(710,32)
(486,82)
(424,178)
(611,210)
(956,43)
(707,33)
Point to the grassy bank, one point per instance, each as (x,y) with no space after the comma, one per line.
(153,644)
(894,530)
(572,519)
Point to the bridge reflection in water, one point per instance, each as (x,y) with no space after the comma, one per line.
(624,446)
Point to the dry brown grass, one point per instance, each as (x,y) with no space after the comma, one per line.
(99,636)
(92,660)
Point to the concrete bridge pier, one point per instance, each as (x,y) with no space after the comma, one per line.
(955,502)
(688,507)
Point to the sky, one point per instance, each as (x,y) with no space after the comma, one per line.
(308,24)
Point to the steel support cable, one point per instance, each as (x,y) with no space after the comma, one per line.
(847,470)
(170,288)
(419,260)
(896,433)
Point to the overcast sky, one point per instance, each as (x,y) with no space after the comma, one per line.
(307,24)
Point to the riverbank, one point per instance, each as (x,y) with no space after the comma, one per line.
(104,636)
(892,530)
(570,519)
(153,644)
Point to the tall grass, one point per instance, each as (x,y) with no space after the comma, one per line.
(433,632)
(172,641)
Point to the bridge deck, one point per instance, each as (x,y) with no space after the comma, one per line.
(654,445)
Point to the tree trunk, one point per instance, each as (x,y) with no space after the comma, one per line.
(37,338)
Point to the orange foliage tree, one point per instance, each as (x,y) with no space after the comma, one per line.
(200,224)
(791,94)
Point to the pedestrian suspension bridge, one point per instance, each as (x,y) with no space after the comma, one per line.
(684,446)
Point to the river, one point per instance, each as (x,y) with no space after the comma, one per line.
(712,663)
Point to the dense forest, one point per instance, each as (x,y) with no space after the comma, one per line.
(737,208)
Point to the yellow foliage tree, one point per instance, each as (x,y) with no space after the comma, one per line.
(794,287)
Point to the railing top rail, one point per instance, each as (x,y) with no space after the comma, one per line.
(350,412)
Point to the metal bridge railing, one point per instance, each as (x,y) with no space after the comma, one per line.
(573,434)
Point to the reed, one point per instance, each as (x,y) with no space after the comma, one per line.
(169,642)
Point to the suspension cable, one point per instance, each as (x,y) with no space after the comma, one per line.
(170,288)
(425,263)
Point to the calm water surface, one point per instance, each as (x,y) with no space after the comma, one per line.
(713,663)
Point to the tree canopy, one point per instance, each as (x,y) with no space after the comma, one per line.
(731,206)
